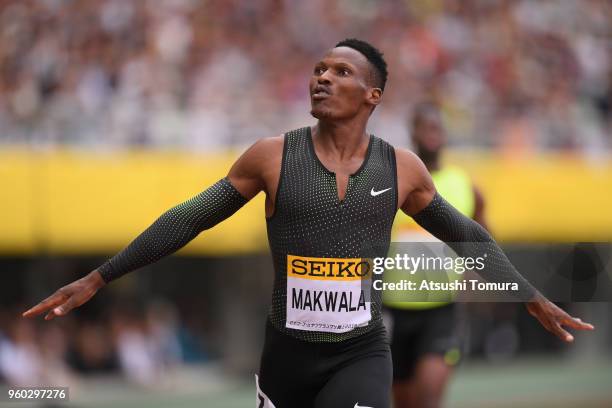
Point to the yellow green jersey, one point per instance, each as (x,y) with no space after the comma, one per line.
(456,187)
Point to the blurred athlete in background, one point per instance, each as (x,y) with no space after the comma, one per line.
(425,337)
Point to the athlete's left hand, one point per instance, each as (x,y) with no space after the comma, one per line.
(553,318)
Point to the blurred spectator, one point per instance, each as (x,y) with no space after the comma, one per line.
(92,350)
(521,75)
(31,356)
(20,358)
(163,331)
(136,355)
(142,343)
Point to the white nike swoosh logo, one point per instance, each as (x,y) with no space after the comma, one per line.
(375,193)
(357,404)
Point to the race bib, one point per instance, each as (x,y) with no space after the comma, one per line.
(328,294)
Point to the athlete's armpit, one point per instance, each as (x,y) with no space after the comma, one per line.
(415,186)
(258,169)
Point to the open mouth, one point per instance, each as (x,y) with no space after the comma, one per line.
(320,92)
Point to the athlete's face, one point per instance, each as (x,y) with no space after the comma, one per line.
(428,135)
(342,86)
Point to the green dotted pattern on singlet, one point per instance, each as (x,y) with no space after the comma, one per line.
(311,221)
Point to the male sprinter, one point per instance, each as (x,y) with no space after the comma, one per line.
(332,192)
(424,342)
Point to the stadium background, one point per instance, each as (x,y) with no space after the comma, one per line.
(112,111)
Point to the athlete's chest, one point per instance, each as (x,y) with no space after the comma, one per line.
(315,192)
(365,197)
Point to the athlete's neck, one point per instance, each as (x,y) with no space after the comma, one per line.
(341,140)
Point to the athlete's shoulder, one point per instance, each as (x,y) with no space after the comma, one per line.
(270,142)
(408,161)
(254,168)
(260,154)
(415,186)
(265,149)
(269,148)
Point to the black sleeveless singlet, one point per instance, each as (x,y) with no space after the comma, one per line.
(317,241)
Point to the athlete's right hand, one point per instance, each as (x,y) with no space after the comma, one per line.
(68,297)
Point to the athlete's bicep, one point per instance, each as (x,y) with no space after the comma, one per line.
(250,173)
(414,182)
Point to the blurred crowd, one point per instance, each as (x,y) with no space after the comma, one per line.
(519,75)
(143,344)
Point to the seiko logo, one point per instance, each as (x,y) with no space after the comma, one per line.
(328,268)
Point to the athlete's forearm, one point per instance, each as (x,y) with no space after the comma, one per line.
(175,228)
(469,239)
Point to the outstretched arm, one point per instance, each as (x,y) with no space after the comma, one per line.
(170,232)
(176,228)
(468,238)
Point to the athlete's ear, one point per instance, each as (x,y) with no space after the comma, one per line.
(374,96)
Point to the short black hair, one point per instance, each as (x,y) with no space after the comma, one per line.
(373,55)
